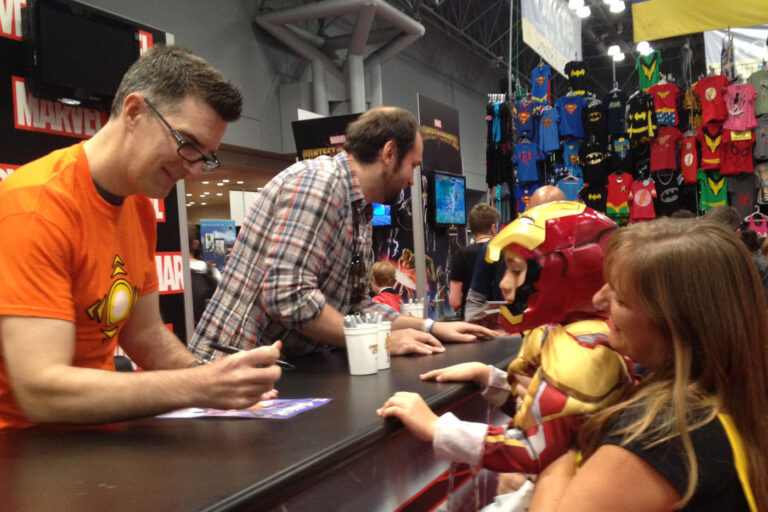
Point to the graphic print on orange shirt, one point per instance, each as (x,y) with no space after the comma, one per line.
(117,303)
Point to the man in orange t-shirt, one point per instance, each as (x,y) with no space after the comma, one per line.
(79,275)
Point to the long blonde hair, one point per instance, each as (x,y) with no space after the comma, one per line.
(702,291)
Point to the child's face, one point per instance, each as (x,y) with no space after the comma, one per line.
(514,277)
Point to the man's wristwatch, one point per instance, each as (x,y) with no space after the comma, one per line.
(429,324)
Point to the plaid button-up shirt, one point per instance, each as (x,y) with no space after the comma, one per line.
(293,255)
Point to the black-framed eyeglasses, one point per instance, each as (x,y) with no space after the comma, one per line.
(187,150)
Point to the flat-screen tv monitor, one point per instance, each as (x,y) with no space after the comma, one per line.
(450,199)
(76,52)
(382,215)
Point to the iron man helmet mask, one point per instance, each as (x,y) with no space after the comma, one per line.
(563,243)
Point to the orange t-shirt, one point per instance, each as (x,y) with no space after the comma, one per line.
(68,254)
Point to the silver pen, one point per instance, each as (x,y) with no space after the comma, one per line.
(227,349)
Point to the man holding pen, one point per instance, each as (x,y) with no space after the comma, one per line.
(79,272)
(302,258)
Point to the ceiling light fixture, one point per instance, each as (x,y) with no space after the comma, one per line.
(219,194)
(644,47)
(575,4)
(203,204)
(617,6)
(206,182)
(240,182)
(613,50)
(219,184)
(584,11)
(618,57)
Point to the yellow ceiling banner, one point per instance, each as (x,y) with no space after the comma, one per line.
(658,19)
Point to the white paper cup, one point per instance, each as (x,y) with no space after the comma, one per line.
(362,349)
(414,309)
(383,355)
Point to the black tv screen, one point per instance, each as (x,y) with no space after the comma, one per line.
(382,215)
(76,52)
(449,197)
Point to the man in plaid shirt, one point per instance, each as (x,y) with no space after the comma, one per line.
(302,257)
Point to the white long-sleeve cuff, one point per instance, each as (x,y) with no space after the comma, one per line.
(497,388)
(459,441)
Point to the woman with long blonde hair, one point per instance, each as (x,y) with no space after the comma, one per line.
(686,302)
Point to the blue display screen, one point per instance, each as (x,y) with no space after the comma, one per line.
(381,215)
(450,199)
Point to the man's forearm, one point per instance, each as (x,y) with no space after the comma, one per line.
(405,322)
(88,396)
(164,352)
(327,327)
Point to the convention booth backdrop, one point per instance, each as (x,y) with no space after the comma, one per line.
(31,127)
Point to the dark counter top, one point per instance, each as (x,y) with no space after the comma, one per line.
(225,463)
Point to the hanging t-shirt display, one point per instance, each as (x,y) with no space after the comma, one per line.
(692,107)
(710,136)
(571,156)
(540,83)
(740,103)
(593,119)
(525,156)
(761,138)
(641,160)
(498,148)
(742,192)
(689,197)
(524,120)
(667,185)
(710,91)
(558,172)
(549,137)
(577,77)
(619,148)
(714,190)
(758,223)
(497,119)
(689,159)
(523,195)
(641,196)
(759,80)
(594,196)
(664,148)
(641,118)
(617,202)
(615,103)
(569,110)
(648,67)
(594,162)
(570,186)
(736,152)
(761,171)
(665,98)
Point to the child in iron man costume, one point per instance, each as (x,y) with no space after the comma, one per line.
(554,256)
